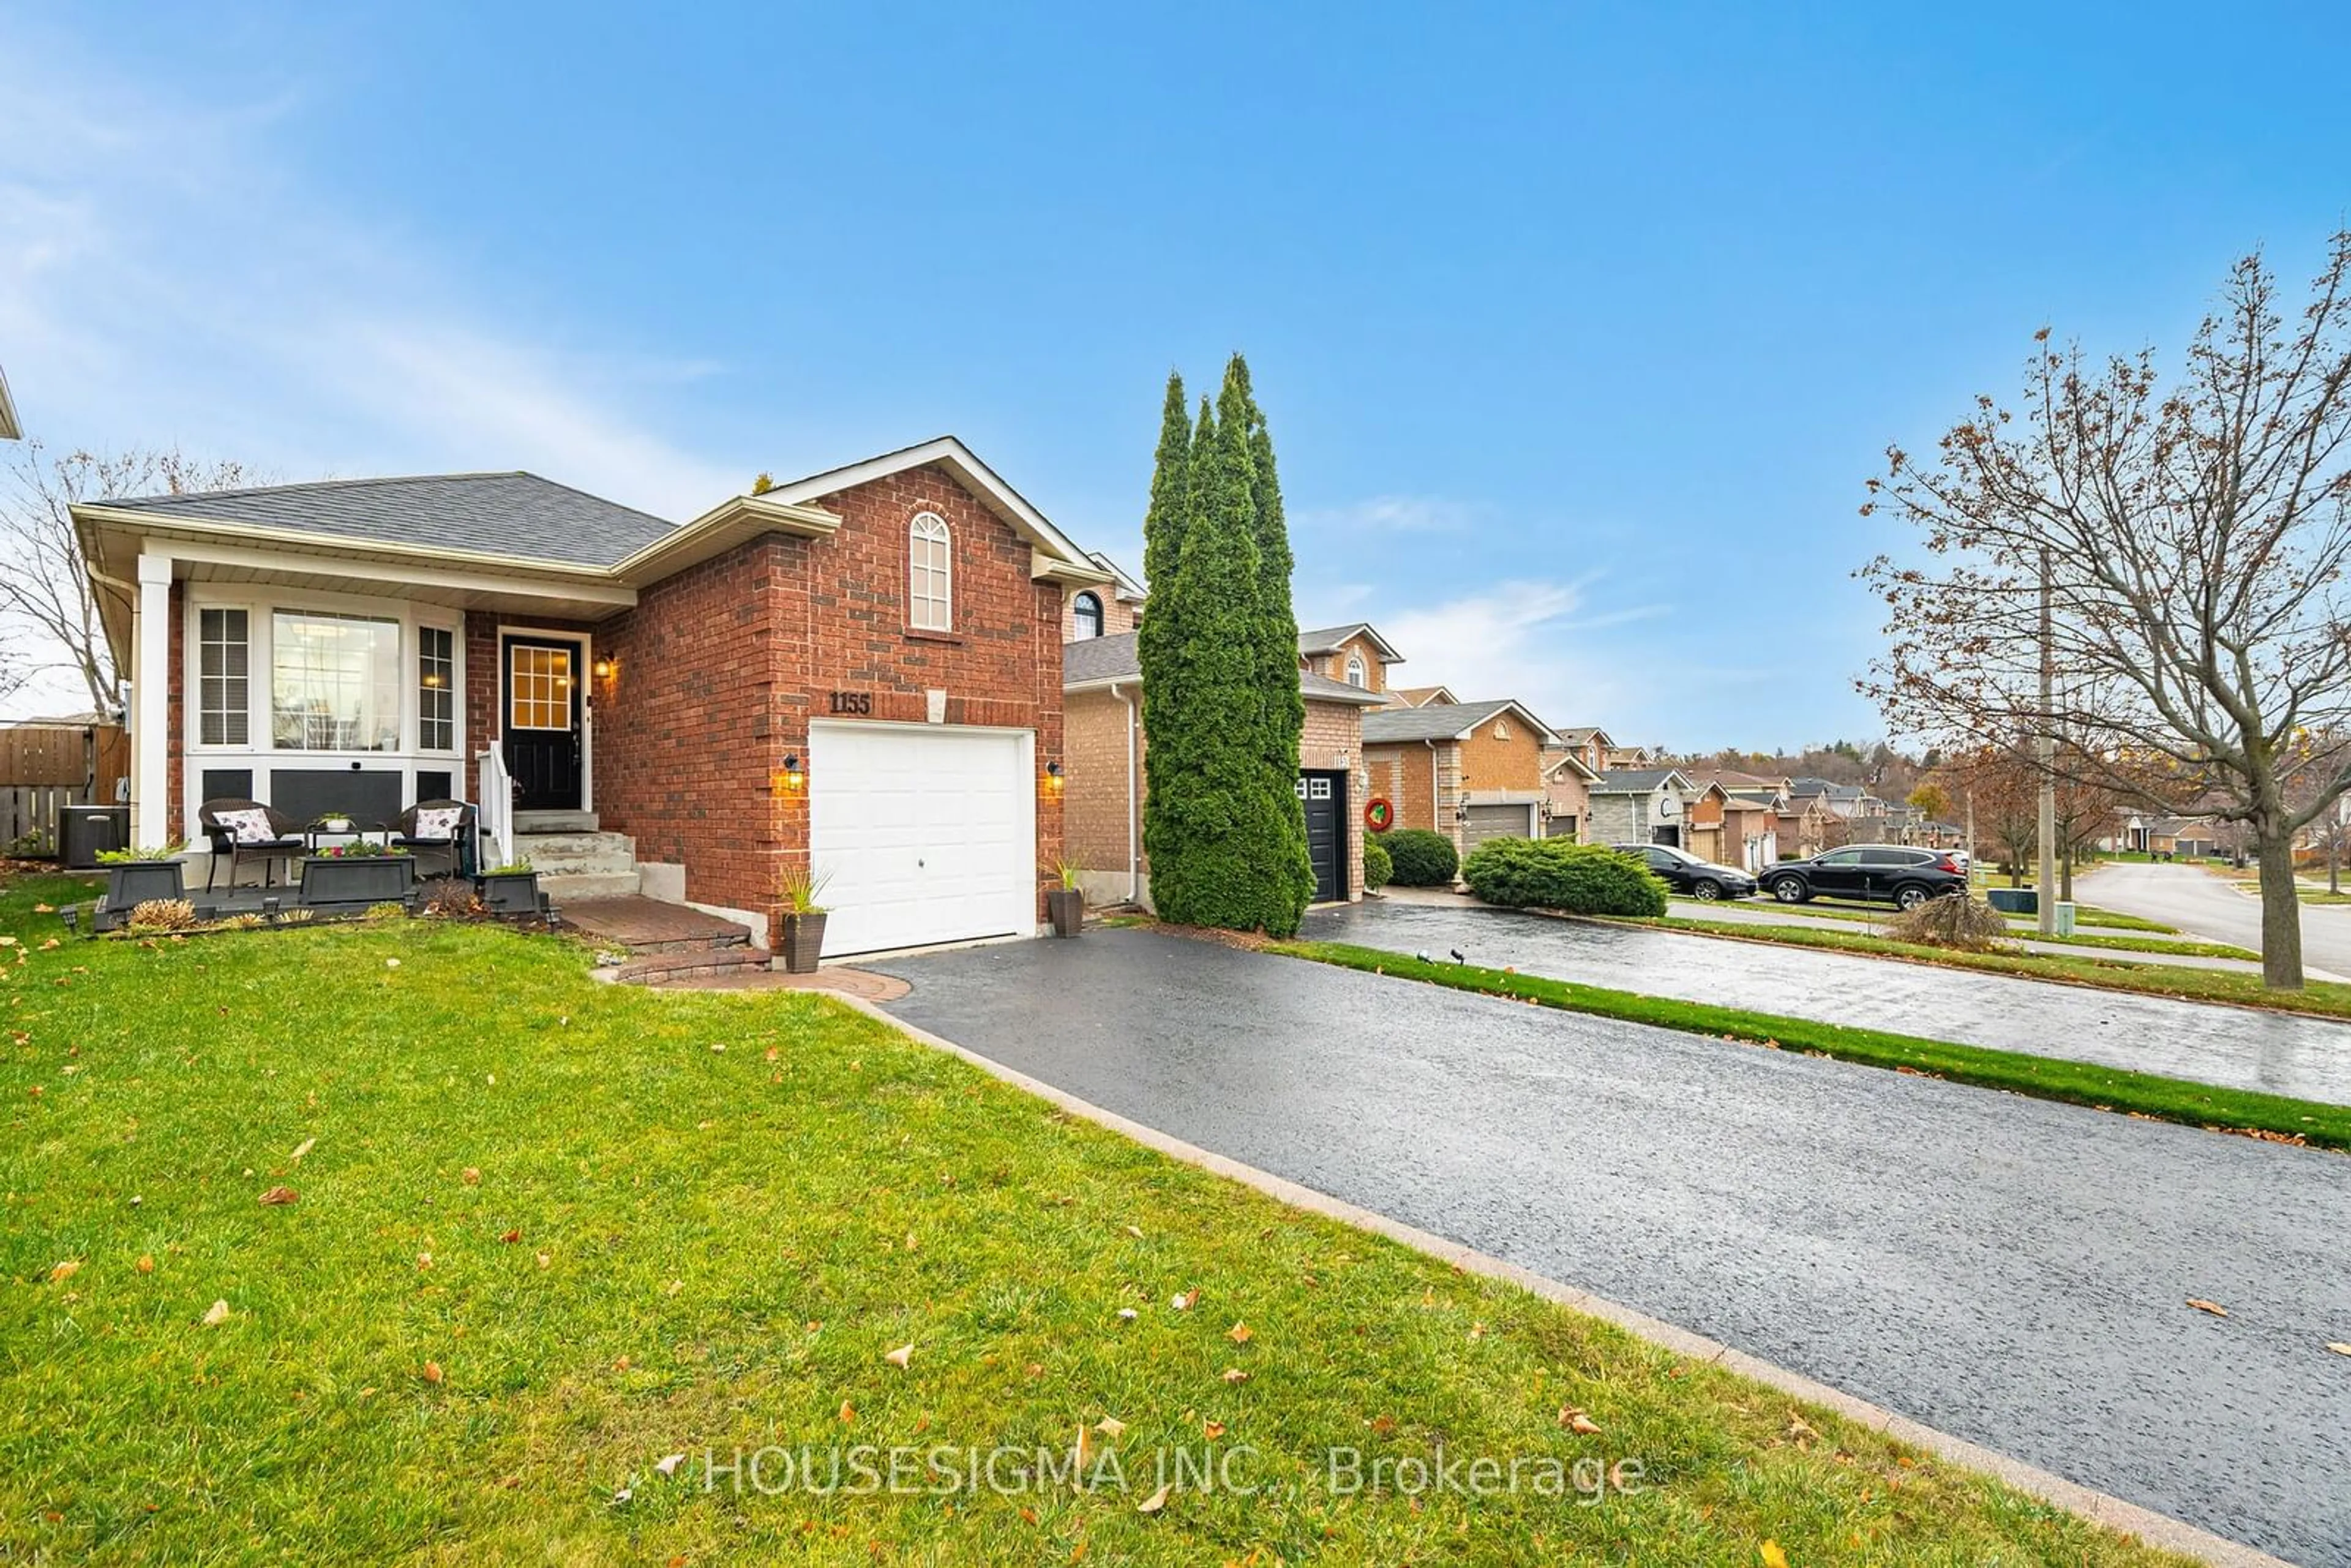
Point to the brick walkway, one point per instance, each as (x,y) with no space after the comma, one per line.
(645,924)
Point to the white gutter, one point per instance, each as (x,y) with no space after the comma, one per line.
(1133,845)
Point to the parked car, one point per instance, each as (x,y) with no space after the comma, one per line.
(1884,874)
(1689,876)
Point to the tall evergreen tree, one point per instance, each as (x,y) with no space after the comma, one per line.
(1161,642)
(1274,633)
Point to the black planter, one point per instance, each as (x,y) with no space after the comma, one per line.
(510,892)
(130,884)
(803,943)
(1067,906)
(357,879)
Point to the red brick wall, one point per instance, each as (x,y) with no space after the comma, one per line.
(719,669)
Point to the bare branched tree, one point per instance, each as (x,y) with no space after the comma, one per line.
(2193,537)
(45,588)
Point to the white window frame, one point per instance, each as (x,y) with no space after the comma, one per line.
(927,531)
(1358,674)
(260,754)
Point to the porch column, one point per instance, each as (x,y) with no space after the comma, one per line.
(151,697)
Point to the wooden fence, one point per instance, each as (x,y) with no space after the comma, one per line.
(44,768)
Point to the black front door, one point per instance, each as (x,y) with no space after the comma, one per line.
(541,697)
(1326,796)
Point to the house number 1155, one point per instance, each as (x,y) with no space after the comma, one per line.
(853,702)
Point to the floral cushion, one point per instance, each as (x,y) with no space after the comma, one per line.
(250,826)
(438,821)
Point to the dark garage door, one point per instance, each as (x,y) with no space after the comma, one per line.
(1325,795)
(1485,822)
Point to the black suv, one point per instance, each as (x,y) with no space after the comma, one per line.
(1685,873)
(1885,873)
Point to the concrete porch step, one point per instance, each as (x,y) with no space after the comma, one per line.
(572,888)
(691,964)
(556,823)
(578,855)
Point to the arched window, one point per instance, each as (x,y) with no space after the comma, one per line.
(1354,669)
(1085,614)
(930,574)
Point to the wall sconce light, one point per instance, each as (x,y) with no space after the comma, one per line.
(795,781)
(1053,777)
(604,668)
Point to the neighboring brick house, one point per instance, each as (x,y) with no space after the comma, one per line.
(1471,771)
(1419,697)
(1567,792)
(1354,655)
(858,671)
(1804,826)
(1751,808)
(1096,610)
(1103,800)
(1639,806)
(1590,744)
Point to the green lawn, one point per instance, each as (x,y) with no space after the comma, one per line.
(547,1232)
(2120,973)
(2042,1077)
(1880,915)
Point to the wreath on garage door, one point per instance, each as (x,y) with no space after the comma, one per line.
(1378,815)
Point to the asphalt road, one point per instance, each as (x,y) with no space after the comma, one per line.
(2277,1052)
(2203,905)
(2005,1268)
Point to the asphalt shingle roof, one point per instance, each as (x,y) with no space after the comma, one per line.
(493,514)
(1631,780)
(1115,658)
(1436,721)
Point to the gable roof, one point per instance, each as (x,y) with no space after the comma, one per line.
(1556,757)
(11,429)
(1421,696)
(1443,721)
(1327,640)
(1583,735)
(1635,780)
(1101,661)
(514,514)
(1128,589)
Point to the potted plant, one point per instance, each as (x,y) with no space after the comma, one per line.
(359,873)
(799,890)
(510,889)
(1066,904)
(135,877)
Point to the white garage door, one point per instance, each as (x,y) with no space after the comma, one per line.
(923,834)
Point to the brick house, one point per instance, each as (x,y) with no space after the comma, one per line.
(1098,610)
(1472,772)
(1102,803)
(1419,697)
(1567,792)
(858,671)
(1751,808)
(1353,655)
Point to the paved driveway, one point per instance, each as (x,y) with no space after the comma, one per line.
(2307,1057)
(2008,1269)
(2205,905)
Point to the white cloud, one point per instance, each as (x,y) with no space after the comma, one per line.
(163,280)
(1524,639)
(1389,515)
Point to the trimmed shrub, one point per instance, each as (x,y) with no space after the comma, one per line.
(1378,868)
(1420,858)
(1553,874)
(1955,920)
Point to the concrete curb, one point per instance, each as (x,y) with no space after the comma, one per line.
(2155,1529)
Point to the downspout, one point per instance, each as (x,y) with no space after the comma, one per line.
(1133,848)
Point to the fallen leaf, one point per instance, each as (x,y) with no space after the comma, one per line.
(718,1048)
(1772,1554)
(1799,1429)
(65,1270)
(1239,1334)
(901,1356)
(1156,1501)
(1135,1231)
(2339,1347)
(472,1177)
(147,1265)
(217,1316)
(1212,1430)
(280,1195)
(544,1260)
(667,1464)
(1235,1375)
(1384,1425)
(392,963)
(1111,1427)
(1573,1418)
(1183,1302)
(306,1145)
(773,1055)
(511,1237)
(848,1414)
(2215,1308)
(433,1372)
(1477,1331)
(423,1261)
(1128,1314)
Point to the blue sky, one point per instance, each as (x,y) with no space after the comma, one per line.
(1579,327)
